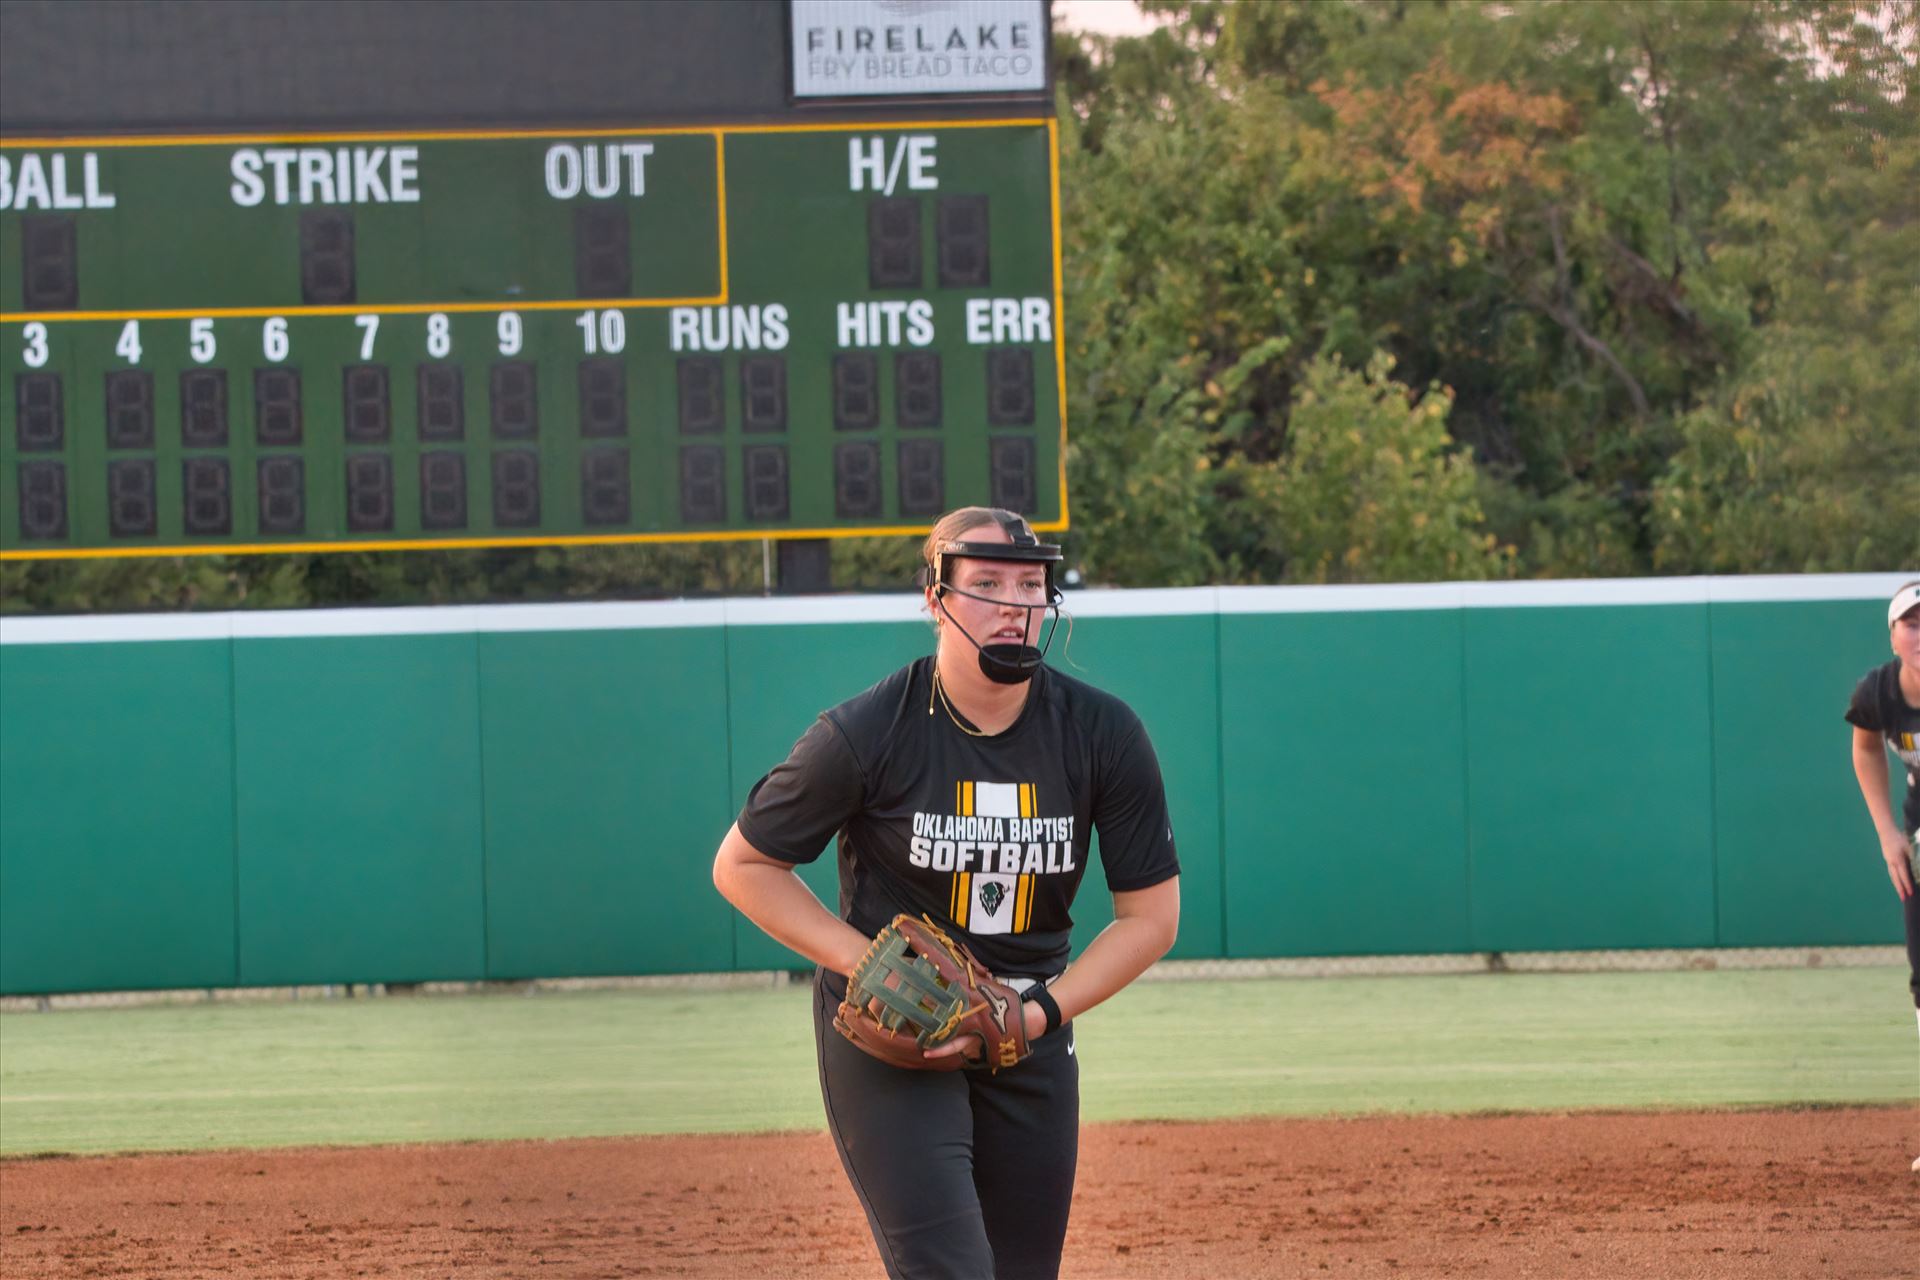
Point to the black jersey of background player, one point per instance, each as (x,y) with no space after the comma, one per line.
(989,834)
(1879,707)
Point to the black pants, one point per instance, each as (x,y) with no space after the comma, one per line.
(964,1175)
(1911,910)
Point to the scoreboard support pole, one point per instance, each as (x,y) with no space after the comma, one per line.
(805,567)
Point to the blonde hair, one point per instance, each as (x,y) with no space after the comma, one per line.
(950,526)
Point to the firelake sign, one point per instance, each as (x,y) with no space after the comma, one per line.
(915,48)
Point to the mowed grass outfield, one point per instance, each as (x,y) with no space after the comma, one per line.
(550,1065)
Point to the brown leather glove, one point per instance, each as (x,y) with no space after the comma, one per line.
(917,988)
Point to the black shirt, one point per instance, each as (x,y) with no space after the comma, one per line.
(989,835)
(1879,707)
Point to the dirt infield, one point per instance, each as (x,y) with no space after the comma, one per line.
(1745,1194)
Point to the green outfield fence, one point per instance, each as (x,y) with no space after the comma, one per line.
(517,791)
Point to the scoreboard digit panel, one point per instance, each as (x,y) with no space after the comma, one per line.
(394,340)
(377,220)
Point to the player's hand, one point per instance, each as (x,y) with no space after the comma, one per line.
(968,1045)
(1899,856)
(1032,1014)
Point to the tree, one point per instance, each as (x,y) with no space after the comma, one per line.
(1807,457)
(1371,488)
(1543,208)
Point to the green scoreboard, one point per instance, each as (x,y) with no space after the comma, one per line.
(281,340)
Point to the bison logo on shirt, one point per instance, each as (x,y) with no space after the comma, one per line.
(997,845)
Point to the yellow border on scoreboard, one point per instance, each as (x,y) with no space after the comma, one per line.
(1059,317)
(462,544)
(478,135)
(719,134)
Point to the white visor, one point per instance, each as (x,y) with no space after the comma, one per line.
(1907,597)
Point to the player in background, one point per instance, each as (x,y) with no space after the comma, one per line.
(1886,710)
(966,787)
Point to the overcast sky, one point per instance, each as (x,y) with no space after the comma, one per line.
(1107,17)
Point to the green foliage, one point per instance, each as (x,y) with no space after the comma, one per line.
(1575,532)
(1371,489)
(1659,257)
(507,574)
(1807,457)
(875,564)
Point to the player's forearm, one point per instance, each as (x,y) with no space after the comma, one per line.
(787,911)
(1870,769)
(1122,952)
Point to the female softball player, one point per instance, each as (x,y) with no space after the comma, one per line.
(966,787)
(1886,709)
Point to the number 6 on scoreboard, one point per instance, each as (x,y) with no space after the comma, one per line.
(371,326)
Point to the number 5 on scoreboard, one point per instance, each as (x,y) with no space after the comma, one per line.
(369,325)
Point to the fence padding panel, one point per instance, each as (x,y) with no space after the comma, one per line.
(1590,777)
(1344,771)
(606,794)
(1798,862)
(116,816)
(359,801)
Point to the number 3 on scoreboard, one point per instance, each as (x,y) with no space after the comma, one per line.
(35,336)
(369,325)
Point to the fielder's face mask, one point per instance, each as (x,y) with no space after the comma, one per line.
(1003,663)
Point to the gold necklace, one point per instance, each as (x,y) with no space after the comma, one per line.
(940,692)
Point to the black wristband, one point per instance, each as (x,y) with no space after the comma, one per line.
(1038,994)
